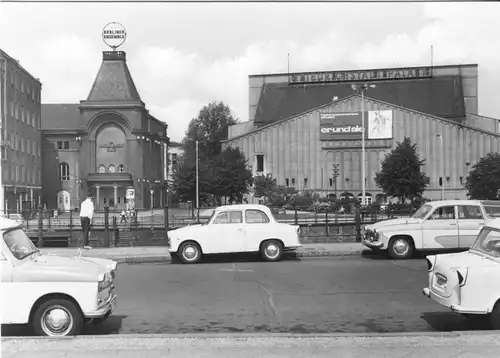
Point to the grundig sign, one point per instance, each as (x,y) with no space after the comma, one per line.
(111,147)
(357,76)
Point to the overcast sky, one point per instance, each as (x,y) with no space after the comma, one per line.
(182,56)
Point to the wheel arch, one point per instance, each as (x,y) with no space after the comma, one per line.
(52,296)
(271,239)
(403,236)
(189,241)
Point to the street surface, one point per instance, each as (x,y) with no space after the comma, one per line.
(257,347)
(309,295)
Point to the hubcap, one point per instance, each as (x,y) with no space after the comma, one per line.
(190,252)
(401,247)
(272,251)
(56,321)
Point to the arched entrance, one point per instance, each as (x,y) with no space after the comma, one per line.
(63,201)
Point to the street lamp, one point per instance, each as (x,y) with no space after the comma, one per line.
(335,176)
(362,88)
(442,165)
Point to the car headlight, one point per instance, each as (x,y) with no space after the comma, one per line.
(104,281)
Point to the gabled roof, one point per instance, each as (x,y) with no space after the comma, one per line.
(258,128)
(57,116)
(439,96)
(114,81)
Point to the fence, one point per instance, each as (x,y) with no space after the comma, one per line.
(110,229)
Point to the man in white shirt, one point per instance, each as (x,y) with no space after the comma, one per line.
(86,213)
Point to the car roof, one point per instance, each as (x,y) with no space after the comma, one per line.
(6,224)
(453,202)
(242,207)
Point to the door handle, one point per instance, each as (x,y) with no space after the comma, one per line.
(453,224)
(481,224)
(240,230)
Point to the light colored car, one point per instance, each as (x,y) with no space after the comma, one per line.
(235,229)
(467,282)
(444,224)
(56,295)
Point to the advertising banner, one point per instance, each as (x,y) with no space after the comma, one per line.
(348,126)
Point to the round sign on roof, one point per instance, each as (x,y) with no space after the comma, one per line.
(114,35)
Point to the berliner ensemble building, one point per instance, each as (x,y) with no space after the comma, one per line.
(302,125)
(108,145)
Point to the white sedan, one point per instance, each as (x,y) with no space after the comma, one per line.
(235,229)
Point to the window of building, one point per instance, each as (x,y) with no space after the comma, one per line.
(260,163)
(112,168)
(22,114)
(63,145)
(461,180)
(12,108)
(16,113)
(102,169)
(22,144)
(121,168)
(305,182)
(22,86)
(293,182)
(119,199)
(174,158)
(63,171)
(287,182)
(440,181)
(330,180)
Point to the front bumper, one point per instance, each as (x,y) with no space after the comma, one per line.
(372,244)
(447,303)
(105,309)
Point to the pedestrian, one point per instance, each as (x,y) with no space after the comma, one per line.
(123,217)
(86,214)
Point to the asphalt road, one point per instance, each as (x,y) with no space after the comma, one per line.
(313,295)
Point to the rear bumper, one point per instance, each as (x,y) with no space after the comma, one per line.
(105,309)
(294,247)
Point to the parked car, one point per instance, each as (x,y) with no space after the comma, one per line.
(235,229)
(56,295)
(467,282)
(448,224)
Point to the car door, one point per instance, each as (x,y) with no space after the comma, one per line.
(7,294)
(470,222)
(440,229)
(228,232)
(258,228)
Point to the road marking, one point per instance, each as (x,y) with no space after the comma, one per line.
(235,269)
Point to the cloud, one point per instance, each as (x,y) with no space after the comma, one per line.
(182,56)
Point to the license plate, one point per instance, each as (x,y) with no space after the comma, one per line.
(440,280)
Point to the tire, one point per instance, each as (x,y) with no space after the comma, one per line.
(271,250)
(400,248)
(190,253)
(494,319)
(60,307)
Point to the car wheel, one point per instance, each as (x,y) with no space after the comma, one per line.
(190,253)
(58,317)
(400,248)
(271,250)
(495,317)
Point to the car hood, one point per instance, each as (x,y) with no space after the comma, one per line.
(55,268)
(461,260)
(393,222)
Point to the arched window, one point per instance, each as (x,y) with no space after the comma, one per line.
(102,169)
(63,171)
(121,168)
(111,169)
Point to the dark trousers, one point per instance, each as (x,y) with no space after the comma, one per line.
(85,228)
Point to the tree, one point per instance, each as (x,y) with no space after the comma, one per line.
(221,173)
(401,175)
(483,181)
(273,194)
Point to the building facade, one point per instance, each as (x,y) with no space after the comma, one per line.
(20,112)
(108,145)
(174,151)
(301,150)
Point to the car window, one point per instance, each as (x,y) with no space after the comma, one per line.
(256,217)
(488,242)
(229,217)
(443,213)
(469,212)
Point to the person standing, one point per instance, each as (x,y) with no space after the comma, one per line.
(86,214)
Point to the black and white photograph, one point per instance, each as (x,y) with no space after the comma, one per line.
(230,178)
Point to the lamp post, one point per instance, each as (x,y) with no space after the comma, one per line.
(335,176)
(440,137)
(197,183)
(362,88)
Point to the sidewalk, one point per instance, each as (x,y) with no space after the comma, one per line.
(433,344)
(145,254)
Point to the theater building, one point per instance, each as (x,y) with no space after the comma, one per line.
(302,124)
(108,144)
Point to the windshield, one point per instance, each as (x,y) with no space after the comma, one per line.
(488,242)
(19,243)
(422,212)
(209,219)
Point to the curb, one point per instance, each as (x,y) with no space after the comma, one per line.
(138,259)
(452,334)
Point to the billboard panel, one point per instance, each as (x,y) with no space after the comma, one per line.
(347,125)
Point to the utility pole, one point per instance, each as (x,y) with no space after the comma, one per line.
(335,174)
(197,184)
